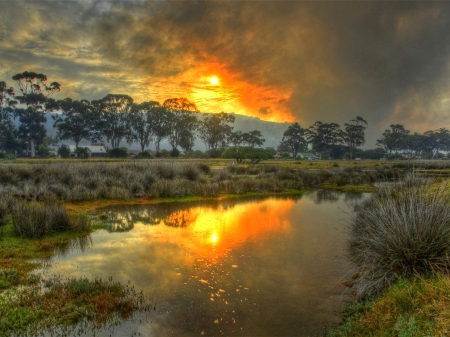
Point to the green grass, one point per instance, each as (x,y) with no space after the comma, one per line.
(410,308)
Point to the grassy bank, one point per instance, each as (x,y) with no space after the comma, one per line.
(30,303)
(418,307)
(399,244)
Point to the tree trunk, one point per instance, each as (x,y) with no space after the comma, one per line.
(32,147)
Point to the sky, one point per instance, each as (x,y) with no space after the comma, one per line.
(283,61)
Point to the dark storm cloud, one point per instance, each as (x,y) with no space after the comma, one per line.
(385,61)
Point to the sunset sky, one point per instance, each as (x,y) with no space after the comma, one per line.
(278,60)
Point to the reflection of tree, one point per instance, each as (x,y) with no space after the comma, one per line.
(120,222)
(353,196)
(146,217)
(325,195)
(181,218)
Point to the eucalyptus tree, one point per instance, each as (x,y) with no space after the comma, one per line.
(75,121)
(112,118)
(294,139)
(322,136)
(393,140)
(35,95)
(7,103)
(182,121)
(253,138)
(215,130)
(236,138)
(160,121)
(141,124)
(440,140)
(354,134)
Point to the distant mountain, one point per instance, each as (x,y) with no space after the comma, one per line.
(272,131)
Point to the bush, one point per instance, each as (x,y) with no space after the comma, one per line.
(118,153)
(2,155)
(399,233)
(82,152)
(10,156)
(198,154)
(175,153)
(145,154)
(246,152)
(32,220)
(64,151)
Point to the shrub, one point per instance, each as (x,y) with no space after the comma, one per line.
(32,220)
(82,152)
(198,154)
(118,153)
(64,151)
(145,154)
(398,233)
(175,153)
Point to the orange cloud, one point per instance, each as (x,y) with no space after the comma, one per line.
(232,93)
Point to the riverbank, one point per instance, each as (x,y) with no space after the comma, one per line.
(402,281)
(32,304)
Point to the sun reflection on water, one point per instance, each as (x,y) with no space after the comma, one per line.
(214,268)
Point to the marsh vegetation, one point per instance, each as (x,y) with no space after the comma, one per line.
(81,181)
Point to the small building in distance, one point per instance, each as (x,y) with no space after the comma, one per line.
(93,150)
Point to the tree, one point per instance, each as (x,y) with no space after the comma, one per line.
(354,134)
(253,138)
(76,120)
(246,152)
(393,140)
(64,151)
(141,124)
(182,122)
(293,139)
(322,136)
(439,140)
(35,95)
(236,138)
(7,127)
(215,130)
(113,118)
(160,120)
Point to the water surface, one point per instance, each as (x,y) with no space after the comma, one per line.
(267,267)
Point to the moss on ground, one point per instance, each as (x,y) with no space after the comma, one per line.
(30,304)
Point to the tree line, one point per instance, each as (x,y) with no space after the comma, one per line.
(325,138)
(115,118)
(397,142)
(112,119)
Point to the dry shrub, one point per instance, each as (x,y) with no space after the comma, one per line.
(398,233)
(33,220)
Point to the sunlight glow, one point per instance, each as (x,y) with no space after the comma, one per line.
(214,238)
(214,80)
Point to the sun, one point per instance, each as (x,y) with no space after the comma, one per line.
(214,80)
